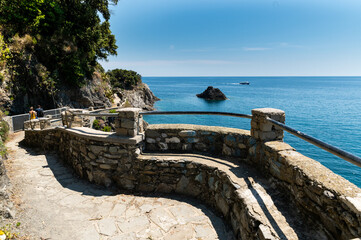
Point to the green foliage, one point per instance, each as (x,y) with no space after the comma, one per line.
(112,111)
(126,79)
(4,130)
(107,129)
(4,51)
(8,231)
(69,36)
(96,124)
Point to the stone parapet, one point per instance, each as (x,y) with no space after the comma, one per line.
(318,193)
(194,138)
(39,124)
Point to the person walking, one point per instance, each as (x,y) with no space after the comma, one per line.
(39,112)
(32,113)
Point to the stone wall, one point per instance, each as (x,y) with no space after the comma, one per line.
(201,139)
(107,158)
(102,157)
(118,162)
(318,191)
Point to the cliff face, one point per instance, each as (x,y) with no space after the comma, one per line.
(26,82)
(93,94)
(141,96)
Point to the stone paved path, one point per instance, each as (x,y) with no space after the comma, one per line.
(55,204)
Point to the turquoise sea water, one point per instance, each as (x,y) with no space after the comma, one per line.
(328,108)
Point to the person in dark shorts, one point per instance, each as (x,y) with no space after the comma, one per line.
(39,112)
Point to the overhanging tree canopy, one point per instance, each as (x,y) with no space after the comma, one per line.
(69,35)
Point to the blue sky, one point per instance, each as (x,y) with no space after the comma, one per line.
(237,37)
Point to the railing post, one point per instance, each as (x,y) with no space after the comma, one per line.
(129,123)
(71,120)
(263,130)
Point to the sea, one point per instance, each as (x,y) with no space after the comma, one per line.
(327,108)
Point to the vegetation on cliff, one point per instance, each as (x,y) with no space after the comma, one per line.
(125,79)
(50,47)
(68,37)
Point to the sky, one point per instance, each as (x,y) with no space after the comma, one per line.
(237,37)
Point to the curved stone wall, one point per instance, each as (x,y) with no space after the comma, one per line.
(105,159)
(326,196)
(219,141)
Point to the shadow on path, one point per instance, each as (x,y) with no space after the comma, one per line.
(68,179)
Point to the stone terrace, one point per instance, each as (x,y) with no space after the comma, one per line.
(263,187)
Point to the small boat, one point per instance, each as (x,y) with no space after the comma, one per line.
(244,83)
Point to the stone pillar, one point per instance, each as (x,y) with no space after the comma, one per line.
(129,123)
(71,120)
(263,130)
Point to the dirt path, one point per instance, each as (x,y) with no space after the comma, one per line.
(52,203)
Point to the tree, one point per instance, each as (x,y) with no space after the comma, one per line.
(69,35)
(126,79)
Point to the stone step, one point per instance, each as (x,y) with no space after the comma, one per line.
(268,210)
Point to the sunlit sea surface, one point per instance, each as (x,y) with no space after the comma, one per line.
(328,108)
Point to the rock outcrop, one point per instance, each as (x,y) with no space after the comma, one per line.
(212,94)
(93,94)
(140,97)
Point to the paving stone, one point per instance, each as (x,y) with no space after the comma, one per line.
(162,218)
(134,224)
(107,227)
(204,231)
(118,210)
(180,232)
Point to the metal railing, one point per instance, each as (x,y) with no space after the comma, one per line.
(196,113)
(318,143)
(17,121)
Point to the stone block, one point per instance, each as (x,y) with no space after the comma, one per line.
(222,204)
(126,123)
(150,140)
(132,132)
(121,131)
(105,166)
(192,140)
(96,149)
(172,140)
(266,127)
(152,134)
(187,133)
(163,146)
(113,150)
(226,150)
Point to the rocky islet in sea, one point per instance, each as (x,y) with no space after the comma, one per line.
(212,93)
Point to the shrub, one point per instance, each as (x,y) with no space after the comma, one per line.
(113,111)
(4,130)
(107,129)
(96,124)
(126,79)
